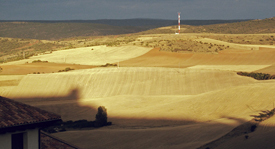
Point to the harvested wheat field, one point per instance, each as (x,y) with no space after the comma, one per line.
(105,82)
(7,82)
(193,120)
(96,55)
(263,137)
(29,68)
(148,105)
(234,45)
(154,99)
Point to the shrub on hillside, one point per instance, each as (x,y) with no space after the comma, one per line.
(108,65)
(39,61)
(253,128)
(101,116)
(66,69)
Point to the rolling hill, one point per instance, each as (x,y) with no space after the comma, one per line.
(53,30)
(155,98)
(246,27)
(240,27)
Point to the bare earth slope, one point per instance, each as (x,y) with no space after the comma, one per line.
(245,60)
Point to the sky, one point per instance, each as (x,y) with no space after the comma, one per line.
(129,9)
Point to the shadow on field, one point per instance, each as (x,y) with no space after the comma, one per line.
(67,106)
(144,133)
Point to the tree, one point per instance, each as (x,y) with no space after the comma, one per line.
(101,116)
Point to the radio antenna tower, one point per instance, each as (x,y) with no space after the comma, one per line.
(179,22)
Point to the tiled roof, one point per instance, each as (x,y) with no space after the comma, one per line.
(14,114)
(50,142)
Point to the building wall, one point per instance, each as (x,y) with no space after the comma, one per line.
(5,141)
(31,139)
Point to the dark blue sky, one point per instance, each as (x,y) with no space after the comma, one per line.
(127,9)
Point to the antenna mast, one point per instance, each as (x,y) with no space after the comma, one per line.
(179,22)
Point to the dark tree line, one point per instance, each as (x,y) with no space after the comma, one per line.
(100,121)
(258,76)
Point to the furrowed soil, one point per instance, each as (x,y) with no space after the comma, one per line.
(155,58)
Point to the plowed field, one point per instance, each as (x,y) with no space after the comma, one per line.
(155,58)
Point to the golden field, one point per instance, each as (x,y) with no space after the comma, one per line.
(155,98)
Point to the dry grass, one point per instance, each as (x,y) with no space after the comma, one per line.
(254,39)
(246,27)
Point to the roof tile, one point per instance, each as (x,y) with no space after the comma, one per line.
(13,113)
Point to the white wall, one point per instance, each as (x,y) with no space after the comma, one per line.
(5,141)
(31,139)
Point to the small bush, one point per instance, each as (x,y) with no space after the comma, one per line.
(101,117)
(108,65)
(253,128)
(66,69)
(39,61)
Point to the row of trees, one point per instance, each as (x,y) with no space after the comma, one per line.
(258,76)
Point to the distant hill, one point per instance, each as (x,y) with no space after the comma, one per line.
(136,22)
(243,27)
(153,23)
(53,30)
(246,27)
